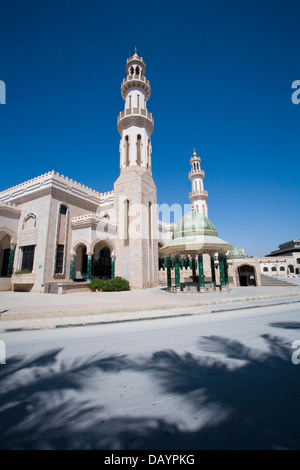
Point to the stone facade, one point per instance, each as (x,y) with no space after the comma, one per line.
(55,231)
(57,234)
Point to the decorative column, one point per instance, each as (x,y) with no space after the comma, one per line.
(201,273)
(11,260)
(177,273)
(182,262)
(190,263)
(226,271)
(169,279)
(222,273)
(212,265)
(89,268)
(165,262)
(194,268)
(112,267)
(72,268)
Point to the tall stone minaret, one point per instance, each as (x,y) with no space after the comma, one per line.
(134,190)
(198,196)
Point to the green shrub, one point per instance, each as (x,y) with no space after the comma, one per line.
(118,284)
(111,285)
(22,271)
(97,284)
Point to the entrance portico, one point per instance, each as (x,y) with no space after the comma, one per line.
(195,237)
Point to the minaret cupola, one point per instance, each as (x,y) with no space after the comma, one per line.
(198,196)
(135,123)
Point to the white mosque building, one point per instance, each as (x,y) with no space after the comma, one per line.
(56,234)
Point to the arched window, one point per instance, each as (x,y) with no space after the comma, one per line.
(150,222)
(274,268)
(63,209)
(266,269)
(131,70)
(29,222)
(126,150)
(61,239)
(298,260)
(291,269)
(126,222)
(138,150)
(282,268)
(148,155)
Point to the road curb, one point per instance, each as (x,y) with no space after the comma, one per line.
(148,318)
(97,311)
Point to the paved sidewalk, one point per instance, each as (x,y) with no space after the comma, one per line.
(30,311)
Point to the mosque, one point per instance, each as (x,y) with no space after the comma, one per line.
(56,234)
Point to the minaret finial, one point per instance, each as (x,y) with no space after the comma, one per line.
(135,51)
(194,154)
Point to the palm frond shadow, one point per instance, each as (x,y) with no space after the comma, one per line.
(288,325)
(250,398)
(35,391)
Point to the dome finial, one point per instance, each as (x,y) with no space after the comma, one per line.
(194,154)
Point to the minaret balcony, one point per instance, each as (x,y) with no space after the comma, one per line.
(135,81)
(135,117)
(199,194)
(195,173)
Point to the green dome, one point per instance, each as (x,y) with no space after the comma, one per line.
(235,254)
(195,233)
(193,224)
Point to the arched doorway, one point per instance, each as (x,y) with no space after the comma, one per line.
(80,263)
(161,260)
(4,255)
(101,264)
(247,275)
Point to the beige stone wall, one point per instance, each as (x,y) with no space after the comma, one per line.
(137,259)
(234,266)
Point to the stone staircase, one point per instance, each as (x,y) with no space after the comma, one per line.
(267,280)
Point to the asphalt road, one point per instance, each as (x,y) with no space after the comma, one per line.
(214,381)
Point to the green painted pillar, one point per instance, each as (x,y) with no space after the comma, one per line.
(166,262)
(112,267)
(182,262)
(201,272)
(194,268)
(177,273)
(169,279)
(213,271)
(222,273)
(72,268)
(190,263)
(226,271)
(173,262)
(11,260)
(89,268)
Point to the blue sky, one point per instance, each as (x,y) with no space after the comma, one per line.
(220,72)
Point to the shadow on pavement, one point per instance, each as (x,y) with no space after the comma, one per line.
(250,397)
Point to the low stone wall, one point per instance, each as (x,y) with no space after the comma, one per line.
(5,284)
(65,287)
(22,282)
